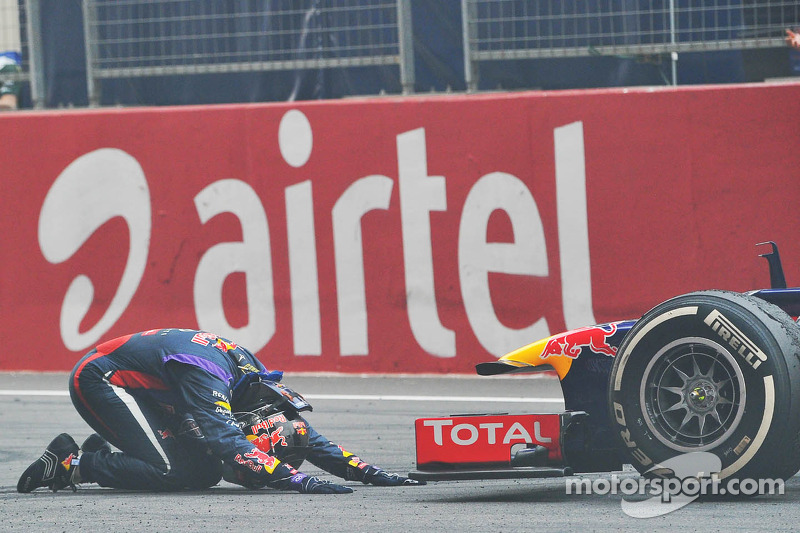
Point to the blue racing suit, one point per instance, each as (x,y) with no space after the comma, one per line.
(163,397)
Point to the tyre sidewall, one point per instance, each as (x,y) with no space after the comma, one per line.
(750,343)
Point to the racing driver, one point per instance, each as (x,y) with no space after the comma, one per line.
(163,398)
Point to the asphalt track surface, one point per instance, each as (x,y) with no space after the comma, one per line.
(372,416)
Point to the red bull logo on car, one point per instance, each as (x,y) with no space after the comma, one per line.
(572,342)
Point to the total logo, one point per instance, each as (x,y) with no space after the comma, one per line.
(467,434)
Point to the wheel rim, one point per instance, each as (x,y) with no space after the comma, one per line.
(693,394)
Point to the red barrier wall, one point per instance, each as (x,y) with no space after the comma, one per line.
(388,235)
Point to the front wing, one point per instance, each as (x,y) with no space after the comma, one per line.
(498,446)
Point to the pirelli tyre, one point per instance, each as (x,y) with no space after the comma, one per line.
(715,372)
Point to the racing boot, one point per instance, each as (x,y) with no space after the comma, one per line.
(53,469)
(95,443)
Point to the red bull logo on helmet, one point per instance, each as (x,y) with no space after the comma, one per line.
(270,441)
(268,424)
(572,342)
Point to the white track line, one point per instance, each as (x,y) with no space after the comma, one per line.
(31,392)
(387,397)
(356,397)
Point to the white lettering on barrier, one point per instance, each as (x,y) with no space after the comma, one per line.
(92,190)
(296,142)
(66,223)
(252,256)
(573,226)
(419,195)
(303,276)
(527,255)
(366,194)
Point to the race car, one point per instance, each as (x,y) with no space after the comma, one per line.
(710,371)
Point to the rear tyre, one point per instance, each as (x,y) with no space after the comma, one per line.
(715,372)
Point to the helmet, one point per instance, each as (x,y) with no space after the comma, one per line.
(282,434)
(254,393)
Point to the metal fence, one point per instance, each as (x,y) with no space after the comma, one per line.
(20,46)
(145,38)
(530,29)
(130,38)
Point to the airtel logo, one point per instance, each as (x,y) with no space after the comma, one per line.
(465,434)
(92,190)
(108,183)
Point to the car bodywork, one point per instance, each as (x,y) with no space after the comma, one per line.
(582,438)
